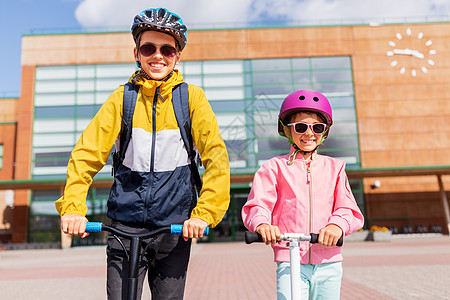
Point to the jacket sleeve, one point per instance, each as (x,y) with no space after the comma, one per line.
(346,213)
(262,198)
(90,154)
(214,197)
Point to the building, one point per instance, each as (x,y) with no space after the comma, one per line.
(389,86)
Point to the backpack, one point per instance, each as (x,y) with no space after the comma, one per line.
(180,101)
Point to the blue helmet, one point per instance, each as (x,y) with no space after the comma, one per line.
(160,19)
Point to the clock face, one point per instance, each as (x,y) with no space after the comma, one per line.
(411,52)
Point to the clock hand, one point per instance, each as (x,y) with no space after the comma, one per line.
(417,54)
(402,51)
(407,51)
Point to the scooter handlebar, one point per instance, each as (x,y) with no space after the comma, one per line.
(254,237)
(174,228)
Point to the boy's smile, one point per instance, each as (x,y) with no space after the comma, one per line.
(157,65)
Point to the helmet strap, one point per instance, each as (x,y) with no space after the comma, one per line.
(297,149)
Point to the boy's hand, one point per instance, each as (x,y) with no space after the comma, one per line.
(330,235)
(270,234)
(74,224)
(194,228)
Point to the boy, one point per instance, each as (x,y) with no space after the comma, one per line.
(153,186)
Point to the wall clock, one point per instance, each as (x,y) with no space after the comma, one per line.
(411,52)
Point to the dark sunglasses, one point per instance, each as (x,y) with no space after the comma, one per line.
(317,128)
(150,49)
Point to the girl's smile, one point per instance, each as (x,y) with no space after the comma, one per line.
(309,140)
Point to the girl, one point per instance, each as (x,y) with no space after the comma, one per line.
(304,192)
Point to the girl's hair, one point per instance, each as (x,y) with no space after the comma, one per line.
(289,118)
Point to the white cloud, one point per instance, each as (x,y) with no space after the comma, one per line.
(120,13)
(210,13)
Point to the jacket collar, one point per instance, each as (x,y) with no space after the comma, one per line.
(148,86)
(299,156)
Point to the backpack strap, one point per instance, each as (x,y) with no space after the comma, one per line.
(130,93)
(180,101)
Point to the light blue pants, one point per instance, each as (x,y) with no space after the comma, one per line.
(321,281)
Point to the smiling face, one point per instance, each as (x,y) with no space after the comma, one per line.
(156,65)
(309,140)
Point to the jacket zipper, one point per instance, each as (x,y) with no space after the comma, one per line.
(152,154)
(308,181)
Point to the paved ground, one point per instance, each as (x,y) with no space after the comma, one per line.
(413,268)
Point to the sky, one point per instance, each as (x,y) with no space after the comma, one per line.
(25,17)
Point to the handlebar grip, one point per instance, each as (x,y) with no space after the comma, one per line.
(94,226)
(253,237)
(315,239)
(178,229)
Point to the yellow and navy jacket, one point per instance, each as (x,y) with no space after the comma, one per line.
(154,185)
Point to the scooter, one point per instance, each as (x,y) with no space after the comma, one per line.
(293,240)
(134,256)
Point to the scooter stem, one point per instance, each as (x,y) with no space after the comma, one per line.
(294,251)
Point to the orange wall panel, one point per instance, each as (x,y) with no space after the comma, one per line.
(25,111)
(8,140)
(8,110)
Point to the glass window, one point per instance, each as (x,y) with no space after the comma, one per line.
(85,98)
(53,139)
(115,70)
(303,77)
(337,62)
(54,111)
(49,99)
(85,85)
(86,71)
(224,94)
(326,88)
(55,86)
(85,111)
(330,76)
(82,124)
(221,80)
(108,84)
(194,79)
(1,156)
(223,67)
(276,64)
(191,68)
(55,72)
(301,63)
(274,79)
(246,96)
(224,106)
(279,91)
(53,125)
(232,126)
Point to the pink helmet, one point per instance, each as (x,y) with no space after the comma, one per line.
(305,100)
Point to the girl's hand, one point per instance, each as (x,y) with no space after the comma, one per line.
(330,235)
(270,234)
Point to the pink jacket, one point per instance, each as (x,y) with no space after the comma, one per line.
(301,199)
